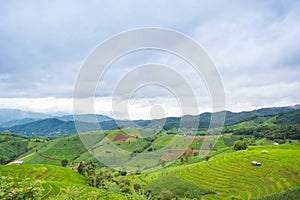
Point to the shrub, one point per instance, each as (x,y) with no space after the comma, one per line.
(64,162)
(240,145)
(25,189)
(166,194)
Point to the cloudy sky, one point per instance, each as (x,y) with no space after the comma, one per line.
(255,46)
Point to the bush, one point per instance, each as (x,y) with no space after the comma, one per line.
(137,186)
(166,194)
(64,162)
(25,189)
(240,145)
(138,195)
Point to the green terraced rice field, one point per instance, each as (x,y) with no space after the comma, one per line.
(232,176)
(56,178)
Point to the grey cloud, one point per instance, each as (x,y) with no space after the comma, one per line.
(254,44)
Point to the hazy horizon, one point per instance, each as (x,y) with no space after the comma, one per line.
(54,114)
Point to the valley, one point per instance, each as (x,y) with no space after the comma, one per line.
(75,164)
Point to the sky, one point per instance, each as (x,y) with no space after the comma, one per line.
(255,46)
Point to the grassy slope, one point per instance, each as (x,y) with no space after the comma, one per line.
(254,122)
(73,149)
(70,148)
(54,151)
(12,146)
(56,178)
(232,174)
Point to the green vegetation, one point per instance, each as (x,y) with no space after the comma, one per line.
(288,195)
(12,146)
(168,187)
(25,189)
(209,167)
(69,148)
(231,175)
(55,180)
(289,118)
(240,145)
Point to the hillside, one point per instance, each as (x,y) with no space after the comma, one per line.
(263,129)
(226,174)
(289,118)
(61,126)
(52,152)
(57,180)
(7,115)
(12,123)
(55,128)
(12,146)
(232,176)
(85,118)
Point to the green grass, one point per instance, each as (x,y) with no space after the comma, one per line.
(12,146)
(232,174)
(161,141)
(287,195)
(133,146)
(54,151)
(176,187)
(70,148)
(56,178)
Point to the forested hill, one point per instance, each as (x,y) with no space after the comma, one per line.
(54,127)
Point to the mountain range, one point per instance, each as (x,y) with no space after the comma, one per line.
(40,124)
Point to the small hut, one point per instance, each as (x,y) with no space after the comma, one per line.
(255,163)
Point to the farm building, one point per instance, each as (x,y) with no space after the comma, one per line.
(264,151)
(255,163)
(18,162)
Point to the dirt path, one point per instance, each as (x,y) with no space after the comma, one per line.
(22,158)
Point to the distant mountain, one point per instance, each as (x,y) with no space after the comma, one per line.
(230,119)
(47,127)
(65,125)
(17,122)
(90,118)
(7,115)
(57,128)
(15,117)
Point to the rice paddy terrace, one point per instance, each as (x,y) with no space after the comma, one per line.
(56,179)
(232,176)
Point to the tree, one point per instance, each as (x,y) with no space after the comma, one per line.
(81,168)
(240,145)
(64,162)
(120,127)
(90,168)
(3,161)
(207,158)
(137,186)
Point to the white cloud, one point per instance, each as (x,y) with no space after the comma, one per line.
(254,44)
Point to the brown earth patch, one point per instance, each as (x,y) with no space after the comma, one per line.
(121,137)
